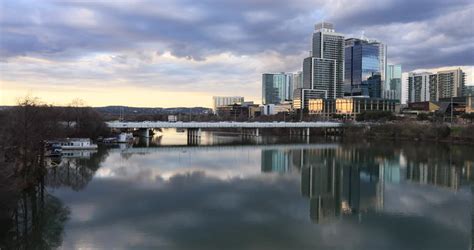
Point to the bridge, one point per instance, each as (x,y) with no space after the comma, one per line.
(247,128)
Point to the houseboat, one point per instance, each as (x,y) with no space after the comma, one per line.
(76,143)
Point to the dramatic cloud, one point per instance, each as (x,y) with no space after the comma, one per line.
(207,47)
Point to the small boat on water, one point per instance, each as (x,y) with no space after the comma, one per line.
(76,143)
(125,137)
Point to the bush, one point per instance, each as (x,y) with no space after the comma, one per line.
(375,116)
(467,116)
(423,117)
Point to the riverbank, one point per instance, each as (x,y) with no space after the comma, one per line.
(412,131)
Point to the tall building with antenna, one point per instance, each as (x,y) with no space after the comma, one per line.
(323,70)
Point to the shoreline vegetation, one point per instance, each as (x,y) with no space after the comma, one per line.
(412,131)
(27,211)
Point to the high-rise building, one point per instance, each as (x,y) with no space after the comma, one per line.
(374,85)
(277,87)
(363,59)
(220,101)
(419,87)
(297,80)
(404,95)
(328,47)
(433,87)
(323,70)
(448,83)
(393,82)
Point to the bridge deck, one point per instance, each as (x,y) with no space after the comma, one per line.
(224,124)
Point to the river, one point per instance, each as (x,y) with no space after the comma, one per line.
(235,192)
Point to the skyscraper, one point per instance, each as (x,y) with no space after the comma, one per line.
(432,87)
(404,95)
(419,87)
(323,69)
(363,60)
(393,82)
(276,87)
(448,83)
(297,80)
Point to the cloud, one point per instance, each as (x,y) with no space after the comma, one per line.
(175,44)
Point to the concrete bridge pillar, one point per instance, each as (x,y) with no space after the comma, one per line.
(145,132)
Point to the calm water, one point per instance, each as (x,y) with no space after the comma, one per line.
(265,194)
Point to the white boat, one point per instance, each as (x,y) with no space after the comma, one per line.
(124,137)
(76,143)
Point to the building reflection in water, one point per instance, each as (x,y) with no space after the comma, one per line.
(436,174)
(339,187)
(346,181)
(275,160)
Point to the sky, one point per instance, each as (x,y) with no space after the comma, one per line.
(170,53)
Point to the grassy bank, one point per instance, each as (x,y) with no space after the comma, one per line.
(413,131)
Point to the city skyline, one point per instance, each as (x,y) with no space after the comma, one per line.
(141,55)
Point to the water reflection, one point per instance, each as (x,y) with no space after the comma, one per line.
(285,196)
(38,218)
(37,221)
(351,180)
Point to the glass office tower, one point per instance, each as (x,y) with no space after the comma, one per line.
(363,60)
(393,82)
(277,87)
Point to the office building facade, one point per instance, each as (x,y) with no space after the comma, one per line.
(419,89)
(423,87)
(329,45)
(277,87)
(303,96)
(350,106)
(220,101)
(323,70)
(448,83)
(297,80)
(393,82)
(364,59)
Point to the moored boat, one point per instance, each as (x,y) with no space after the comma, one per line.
(124,137)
